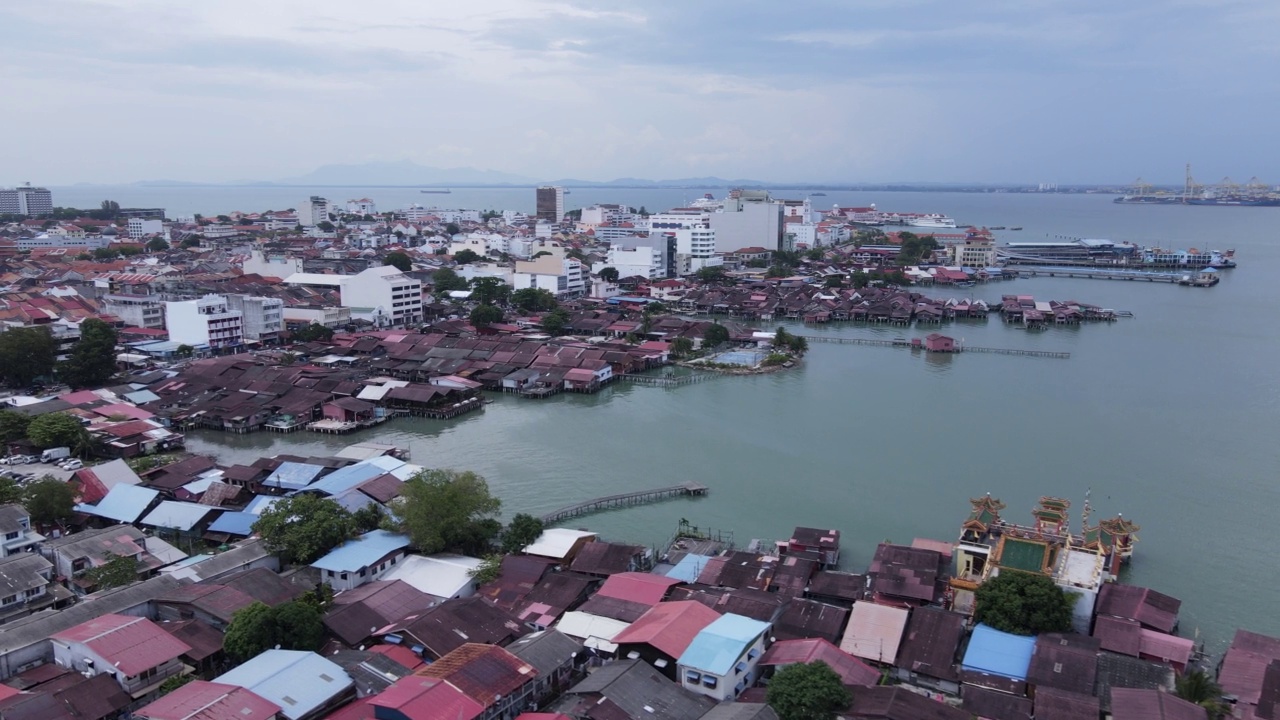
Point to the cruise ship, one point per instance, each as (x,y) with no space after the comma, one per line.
(932,220)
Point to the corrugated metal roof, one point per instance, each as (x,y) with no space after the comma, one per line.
(444,575)
(362,551)
(130,644)
(293,475)
(998,653)
(875,631)
(638,587)
(295,680)
(718,646)
(234,523)
(669,627)
(123,503)
(344,479)
(202,700)
(177,515)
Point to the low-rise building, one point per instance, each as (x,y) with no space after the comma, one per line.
(25,586)
(202,700)
(137,652)
(263,316)
(144,311)
(206,322)
(302,684)
(362,560)
(723,658)
(15,528)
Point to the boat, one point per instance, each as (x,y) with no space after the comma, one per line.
(1015,228)
(932,220)
(817,194)
(998,227)
(436,192)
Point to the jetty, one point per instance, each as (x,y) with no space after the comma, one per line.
(1101,274)
(668,381)
(905,343)
(610,502)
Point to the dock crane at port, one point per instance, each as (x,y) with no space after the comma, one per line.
(1190,188)
(1141,187)
(1228,187)
(1255,187)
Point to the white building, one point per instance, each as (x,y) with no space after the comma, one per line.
(471,271)
(25,200)
(361,560)
(45,240)
(748,223)
(263,316)
(144,311)
(363,206)
(330,317)
(605,214)
(973,253)
(141,227)
(696,249)
(398,295)
(456,216)
(639,256)
(209,321)
(313,212)
(680,218)
(554,272)
(801,233)
(722,659)
(273,266)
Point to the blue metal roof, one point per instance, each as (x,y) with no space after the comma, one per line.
(717,647)
(344,479)
(299,682)
(293,475)
(999,653)
(689,567)
(260,503)
(363,551)
(177,515)
(123,503)
(353,500)
(234,523)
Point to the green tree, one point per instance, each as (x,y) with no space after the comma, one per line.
(710,274)
(174,682)
(445,509)
(131,250)
(13,425)
(105,254)
(833,281)
(798,345)
(109,210)
(778,271)
(452,229)
(814,254)
(1024,604)
(781,337)
(10,491)
(157,244)
(368,518)
(466,256)
(325,226)
(807,691)
(55,430)
(446,280)
(490,290)
(609,274)
(49,500)
(117,571)
(184,351)
(315,332)
(521,532)
(26,354)
(715,334)
(93,359)
(1196,686)
(485,315)
(534,300)
(304,527)
(555,322)
(398,260)
(681,347)
(292,625)
(489,569)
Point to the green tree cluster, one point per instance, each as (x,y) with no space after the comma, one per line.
(522,531)
(13,425)
(315,332)
(302,528)
(681,347)
(710,274)
(1024,604)
(292,625)
(26,354)
(534,300)
(466,256)
(1197,686)
(157,244)
(555,322)
(56,430)
(49,500)
(452,229)
(93,359)
(398,260)
(117,571)
(807,691)
(446,280)
(915,247)
(482,316)
(609,274)
(445,509)
(796,344)
(490,290)
(714,335)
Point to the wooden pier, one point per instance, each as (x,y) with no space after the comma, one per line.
(668,381)
(610,502)
(1102,274)
(905,343)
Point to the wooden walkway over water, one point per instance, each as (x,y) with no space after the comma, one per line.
(1102,274)
(905,343)
(668,381)
(610,502)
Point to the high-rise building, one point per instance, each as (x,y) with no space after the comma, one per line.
(550,203)
(313,212)
(25,200)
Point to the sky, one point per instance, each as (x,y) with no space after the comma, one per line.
(982,91)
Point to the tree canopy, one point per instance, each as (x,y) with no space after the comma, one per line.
(522,531)
(398,260)
(446,279)
(554,322)
(485,315)
(490,290)
(26,354)
(807,691)
(56,430)
(915,247)
(452,228)
(157,244)
(304,527)
(466,256)
(13,425)
(312,333)
(295,625)
(49,500)
(119,570)
(1197,686)
(715,334)
(534,300)
(445,509)
(711,273)
(609,274)
(93,359)
(1024,604)
(10,491)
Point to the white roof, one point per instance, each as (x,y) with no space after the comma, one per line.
(316,279)
(595,631)
(163,551)
(177,515)
(874,632)
(1081,569)
(373,392)
(443,576)
(299,682)
(364,450)
(556,542)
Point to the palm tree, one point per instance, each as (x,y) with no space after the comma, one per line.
(1196,686)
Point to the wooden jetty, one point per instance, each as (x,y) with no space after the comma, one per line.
(610,502)
(905,343)
(668,381)
(1101,274)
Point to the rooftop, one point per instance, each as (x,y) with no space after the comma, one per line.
(298,682)
(718,646)
(201,700)
(362,551)
(131,644)
(999,653)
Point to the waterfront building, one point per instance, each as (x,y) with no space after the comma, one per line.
(363,206)
(362,560)
(874,632)
(549,202)
(722,659)
(25,200)
(974,252)
(635,256)
(263,316)
(206,322)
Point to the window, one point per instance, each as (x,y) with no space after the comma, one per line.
(361,572)
(693,676)
(753,653)
(11,536)
(709,681)
(10,600)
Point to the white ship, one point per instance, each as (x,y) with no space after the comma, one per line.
(932,220)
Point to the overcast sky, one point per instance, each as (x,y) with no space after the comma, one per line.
(807,90)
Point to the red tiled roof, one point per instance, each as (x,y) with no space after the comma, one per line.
(131,644)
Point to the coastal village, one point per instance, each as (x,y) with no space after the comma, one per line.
(131,568)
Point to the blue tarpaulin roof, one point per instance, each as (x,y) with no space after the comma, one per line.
(999,653)
(123,503)
(717,647)
(363,551)
(689,567)
(293,475)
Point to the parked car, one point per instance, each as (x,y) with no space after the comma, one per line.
(73,465)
